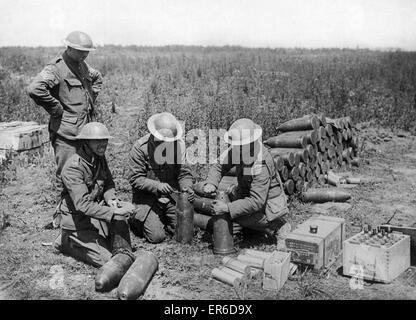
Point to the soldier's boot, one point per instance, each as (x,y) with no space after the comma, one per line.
(120,238)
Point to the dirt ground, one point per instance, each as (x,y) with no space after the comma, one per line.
(31,269)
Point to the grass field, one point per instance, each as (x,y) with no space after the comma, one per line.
(207,88)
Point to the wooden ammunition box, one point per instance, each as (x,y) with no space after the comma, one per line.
(318,249)
(376,262)
(21,136)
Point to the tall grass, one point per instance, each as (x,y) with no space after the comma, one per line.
(211,87)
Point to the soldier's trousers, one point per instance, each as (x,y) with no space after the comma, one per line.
(63,150)
(258,221)
(97,245)
(153,220)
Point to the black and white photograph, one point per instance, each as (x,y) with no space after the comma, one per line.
(208,150)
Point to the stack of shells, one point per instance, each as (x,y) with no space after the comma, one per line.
(306,148)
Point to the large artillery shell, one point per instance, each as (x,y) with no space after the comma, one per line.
(184,231)
(294,174)
(303,154)
(302,170)
(311,151)
(304,123)
(319,158)
(255,262)
(289,187)
(203,205)
(288,157)
(278,163)
(299,185)
(287,142)
(110,274)
(329,131)
(236,265)
(138,277)
(325,195)
(223,242)
(226,278)
(312,136)
(284,174)
(321,133)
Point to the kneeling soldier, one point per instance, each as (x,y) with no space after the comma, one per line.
(94,222)
(155,177)
(258,202)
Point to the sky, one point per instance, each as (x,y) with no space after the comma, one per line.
(250,23)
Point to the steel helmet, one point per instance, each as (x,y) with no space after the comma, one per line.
(79,40)
(243,131)
(164,126)
(93,131)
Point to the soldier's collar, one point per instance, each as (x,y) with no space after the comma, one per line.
(87,155)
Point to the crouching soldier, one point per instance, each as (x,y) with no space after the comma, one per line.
(156,171)
(258,202)
(94,222)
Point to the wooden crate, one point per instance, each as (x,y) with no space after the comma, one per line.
(379,263)
(410,232)
(276,270)
(21,136)
(317,249)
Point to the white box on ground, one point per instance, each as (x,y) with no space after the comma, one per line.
(276,270)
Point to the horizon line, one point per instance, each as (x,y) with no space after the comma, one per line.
(226,46)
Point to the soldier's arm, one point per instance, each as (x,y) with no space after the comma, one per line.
(97,82)
(138,172)
(109,186)
(39,90)
(218,170)
(73,180)
(257,198)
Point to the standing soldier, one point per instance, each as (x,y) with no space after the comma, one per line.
(67,89)
(154,177)
(258,202)
(94,222)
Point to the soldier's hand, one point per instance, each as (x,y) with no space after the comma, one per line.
(124,211)
(209,188)
(114,203)
(164,188)
(191,194)
(219,208)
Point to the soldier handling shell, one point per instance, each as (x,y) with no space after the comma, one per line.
(156,171)
(94,222)
(258,202)
(67,89)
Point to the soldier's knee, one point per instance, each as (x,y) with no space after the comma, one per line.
(156,236)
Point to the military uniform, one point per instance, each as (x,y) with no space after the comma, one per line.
(258,201)
(154,210)
(67,90)
(87,224)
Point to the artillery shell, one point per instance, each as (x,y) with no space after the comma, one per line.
(138,277)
